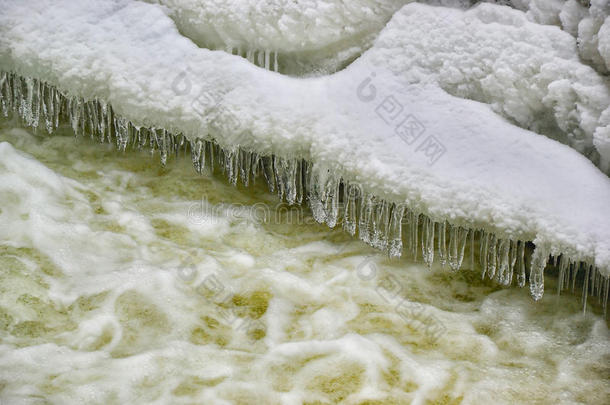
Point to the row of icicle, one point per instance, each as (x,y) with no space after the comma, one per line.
(261,58)
(380,223)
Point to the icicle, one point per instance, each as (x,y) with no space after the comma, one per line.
(413,233)
(261,59)
(585,288)
(317,184)
(395,231)
(35,104)
(575,269)
(232,166)
(163,145)
(366,212)
(563,266)
(256,162)
(350,195)
(75,110)
(458,237)
(503,261)
(521,264)
(47,108)
(380,224)
(538,263)
(275,64)
(4,90)
(267,59)
(268,173)
(428,241)
(298,183)
(492,256)
(286,176)
(122,137)
(196,153)
(605,300)
(279,176)
(442,242)
(452,250)
(484,242)
(245,166)
(331,201)
(26,102)
(472,231)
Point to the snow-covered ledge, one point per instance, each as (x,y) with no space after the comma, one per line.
(120,70)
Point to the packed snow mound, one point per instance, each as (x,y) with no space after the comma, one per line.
(586,20)
(311,36)
(527,72)
(405,141)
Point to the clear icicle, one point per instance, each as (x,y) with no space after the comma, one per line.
(381,225)
(458,237)
(350,195)
(585,288)
(492,256)
(483,252)
(503,261)
(512,258)
(520,263)
(395,231)
(366,211)
(331,201)
(563,266)
(452,250)
(428,241)
(268,173)
(538,263)
(472,249)
(413,234)
(267,59)
(442,242)
(196,153)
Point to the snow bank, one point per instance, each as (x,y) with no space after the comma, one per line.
(586,20)
(411,150)
(529,73)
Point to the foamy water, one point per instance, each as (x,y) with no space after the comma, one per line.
(123,282)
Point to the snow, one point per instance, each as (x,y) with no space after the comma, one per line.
(529,73)
(311,36)
(492,175)
(583,19)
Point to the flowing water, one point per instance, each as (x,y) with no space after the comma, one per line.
(125,282)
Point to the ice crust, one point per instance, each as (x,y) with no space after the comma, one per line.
(126,62)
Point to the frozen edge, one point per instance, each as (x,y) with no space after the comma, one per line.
(380,223)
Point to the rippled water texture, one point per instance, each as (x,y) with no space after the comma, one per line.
(125,282)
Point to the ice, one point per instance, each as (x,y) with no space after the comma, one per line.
(316,140)
(539,261)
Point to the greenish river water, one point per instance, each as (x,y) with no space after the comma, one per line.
(124,282)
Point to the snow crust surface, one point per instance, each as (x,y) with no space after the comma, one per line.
(492,174)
